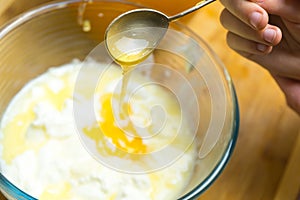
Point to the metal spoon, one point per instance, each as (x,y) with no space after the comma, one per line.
(133,35)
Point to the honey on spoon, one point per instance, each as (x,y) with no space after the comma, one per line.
(128,39)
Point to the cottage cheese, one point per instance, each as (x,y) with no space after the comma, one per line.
(42,154)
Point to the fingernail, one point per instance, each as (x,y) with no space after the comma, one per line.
(261,47)
(255,19)
(269,35)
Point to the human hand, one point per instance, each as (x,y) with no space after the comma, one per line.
(268,33)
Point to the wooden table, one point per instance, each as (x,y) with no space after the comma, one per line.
(266,161)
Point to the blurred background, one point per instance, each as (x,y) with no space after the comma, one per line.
(266,161)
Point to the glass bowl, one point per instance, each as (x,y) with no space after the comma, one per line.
(53,35)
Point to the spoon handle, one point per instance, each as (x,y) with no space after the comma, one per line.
(190,10)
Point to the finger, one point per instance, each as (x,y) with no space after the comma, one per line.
(289,10)
(246,47)
(294,30)
(270,35)
(249,12)
(280,62)
(291,89)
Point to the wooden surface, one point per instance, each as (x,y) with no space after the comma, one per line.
(266,161)
(262,165)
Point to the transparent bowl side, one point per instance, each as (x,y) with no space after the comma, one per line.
(218,106)
(11,192)
(51,36)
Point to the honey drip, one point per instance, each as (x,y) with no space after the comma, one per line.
(84,23)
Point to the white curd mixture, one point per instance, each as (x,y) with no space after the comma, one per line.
(42,154)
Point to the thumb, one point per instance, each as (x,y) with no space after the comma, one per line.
(287,9)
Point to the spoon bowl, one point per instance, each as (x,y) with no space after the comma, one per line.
(130,38)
